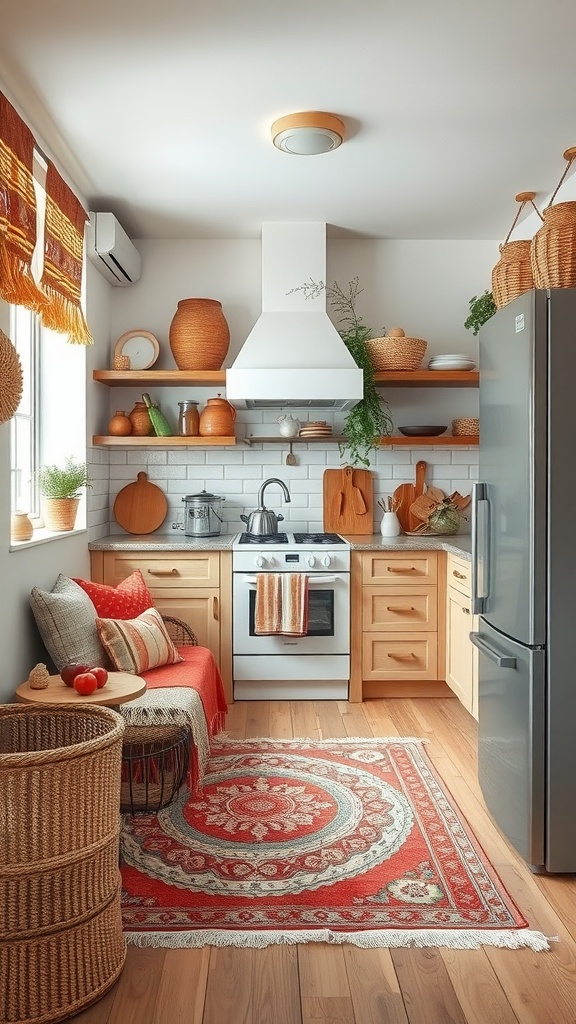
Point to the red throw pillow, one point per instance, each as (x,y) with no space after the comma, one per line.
(130,598)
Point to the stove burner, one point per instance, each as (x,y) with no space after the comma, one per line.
(268,538)
(317,538)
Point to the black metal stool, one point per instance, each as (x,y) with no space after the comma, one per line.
(155,763)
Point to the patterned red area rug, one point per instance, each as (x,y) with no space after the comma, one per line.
(328,841)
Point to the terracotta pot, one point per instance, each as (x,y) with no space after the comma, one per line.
(199,335)
(20,527)
(217,418)
(60,513)
(120,425)
(140,420)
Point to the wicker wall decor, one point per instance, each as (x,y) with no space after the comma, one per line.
(199,335)
(61,940)
(553,249)
(512,275)
(395,351)
(11,379)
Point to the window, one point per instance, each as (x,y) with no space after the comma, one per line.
(49,424)
(24,456)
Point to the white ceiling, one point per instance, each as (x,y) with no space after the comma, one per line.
(451,108)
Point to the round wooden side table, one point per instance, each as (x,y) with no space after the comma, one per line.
(120,687)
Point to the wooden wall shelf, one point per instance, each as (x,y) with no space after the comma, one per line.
(217,378)
(104,441)
(445,440)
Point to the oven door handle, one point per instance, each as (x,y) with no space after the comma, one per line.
(311,579)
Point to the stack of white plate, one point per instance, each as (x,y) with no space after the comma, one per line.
(451,361)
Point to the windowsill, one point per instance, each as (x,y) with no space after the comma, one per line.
(44,537)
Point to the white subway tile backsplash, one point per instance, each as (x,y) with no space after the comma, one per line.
(237,473)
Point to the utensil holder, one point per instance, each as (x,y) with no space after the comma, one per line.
(390,525)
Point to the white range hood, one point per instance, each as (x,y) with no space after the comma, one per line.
(293,355)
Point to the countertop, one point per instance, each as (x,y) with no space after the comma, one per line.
(176,541)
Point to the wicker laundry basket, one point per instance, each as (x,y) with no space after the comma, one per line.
(395,351)
(61,941)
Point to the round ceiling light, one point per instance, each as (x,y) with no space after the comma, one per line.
(308,133)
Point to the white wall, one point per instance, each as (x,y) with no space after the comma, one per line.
(421,286)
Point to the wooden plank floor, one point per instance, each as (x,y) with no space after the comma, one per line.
(322,984)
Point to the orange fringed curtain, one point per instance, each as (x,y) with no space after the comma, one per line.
(63,253)
(17,210)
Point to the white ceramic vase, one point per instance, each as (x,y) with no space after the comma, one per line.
(390,525)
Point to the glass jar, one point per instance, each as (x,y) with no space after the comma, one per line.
(188,419)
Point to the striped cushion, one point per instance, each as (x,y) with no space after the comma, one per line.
(136,645)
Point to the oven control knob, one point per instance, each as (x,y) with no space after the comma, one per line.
(259,561)
(272,560)
(311,561)
(327,561)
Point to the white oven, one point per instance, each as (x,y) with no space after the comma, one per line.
(314,666)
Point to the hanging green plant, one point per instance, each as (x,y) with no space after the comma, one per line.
(370,419)
(482,307)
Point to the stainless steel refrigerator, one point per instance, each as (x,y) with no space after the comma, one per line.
(524,575)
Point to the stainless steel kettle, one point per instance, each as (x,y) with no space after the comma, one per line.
(263,522)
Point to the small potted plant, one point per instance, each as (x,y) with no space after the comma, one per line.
(482,307)
(60,487)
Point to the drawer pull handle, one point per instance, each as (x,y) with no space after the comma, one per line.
(401,657)
(459,575)
(215,608)
(398,608)
(408,568)
(466,611)
(163,572)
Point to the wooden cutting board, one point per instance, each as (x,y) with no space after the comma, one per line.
(348,501)
(140,507)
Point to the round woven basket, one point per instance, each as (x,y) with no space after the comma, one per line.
(466,426)
(199,335)
(60,513)
(512,274)
(396,352)
(553,248)
(61,940)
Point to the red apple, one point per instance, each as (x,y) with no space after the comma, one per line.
(69,673)
(101,676)
(85,683)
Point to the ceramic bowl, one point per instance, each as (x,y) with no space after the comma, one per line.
(422,431)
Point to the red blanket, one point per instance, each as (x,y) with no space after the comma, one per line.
(199,671)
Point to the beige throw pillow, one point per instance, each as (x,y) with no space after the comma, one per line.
(135,645)
(66,620)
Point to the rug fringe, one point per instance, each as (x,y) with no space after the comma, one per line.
(356,740)
(419,939)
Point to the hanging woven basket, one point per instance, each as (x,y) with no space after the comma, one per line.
(199,335)
(553,248)
(512,275)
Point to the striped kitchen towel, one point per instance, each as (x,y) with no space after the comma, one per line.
(281,604)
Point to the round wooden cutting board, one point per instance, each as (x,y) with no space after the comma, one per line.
(140,507)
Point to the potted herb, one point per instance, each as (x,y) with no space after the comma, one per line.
(370,419)
(60,486)
(482,307)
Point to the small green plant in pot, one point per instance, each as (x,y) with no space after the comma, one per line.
(60,487)
(370,419)
(482,307)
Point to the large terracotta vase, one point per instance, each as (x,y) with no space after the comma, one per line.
(199,335)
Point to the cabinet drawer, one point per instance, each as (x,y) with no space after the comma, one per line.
(400,656)
(400,608)
(164,570)
(399,567)
(459,574)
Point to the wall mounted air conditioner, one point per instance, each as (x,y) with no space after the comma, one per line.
(110,249)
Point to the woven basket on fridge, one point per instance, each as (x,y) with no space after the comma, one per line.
(395,351)
(61,940)
(553,249)
(199,335)
(466,426)
(512,275)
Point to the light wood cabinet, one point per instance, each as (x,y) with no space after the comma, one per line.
(192,586)
(461,655)
(395,622)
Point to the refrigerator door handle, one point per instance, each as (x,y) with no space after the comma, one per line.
(502,660)
(480,550)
